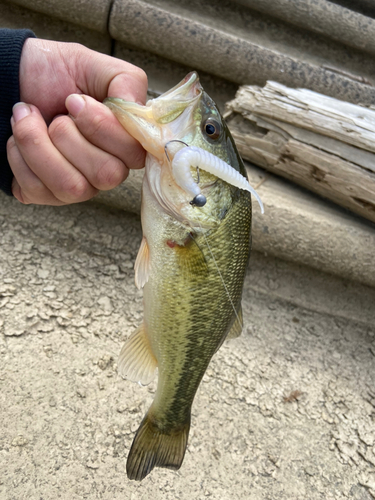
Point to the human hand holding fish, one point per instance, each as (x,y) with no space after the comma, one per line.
(196,221)
(59,158)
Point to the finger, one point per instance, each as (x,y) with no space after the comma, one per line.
(31,137)
(103,170)
(102,76)
(98,125)
(130,85)
(26,186)
(61,69)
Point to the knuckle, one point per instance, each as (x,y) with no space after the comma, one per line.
(11,142)
(138,159)
(26,200)
(59,128)
(11,146)
(78,47)
(140,75)
(75,190)
(19,194)
(98,125)
(36,192)
(22,197)
(26,133)
(111,173)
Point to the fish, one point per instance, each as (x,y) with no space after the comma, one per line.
(191,263)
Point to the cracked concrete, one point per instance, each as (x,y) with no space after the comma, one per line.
(287,411)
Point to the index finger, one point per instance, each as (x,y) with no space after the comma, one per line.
(100,127)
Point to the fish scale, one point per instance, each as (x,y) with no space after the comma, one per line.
(179,375)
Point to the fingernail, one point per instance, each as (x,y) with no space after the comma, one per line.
(74,104)
(20,110)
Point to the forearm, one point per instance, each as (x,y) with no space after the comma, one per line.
(11,43)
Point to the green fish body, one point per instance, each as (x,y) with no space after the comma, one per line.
(191,265)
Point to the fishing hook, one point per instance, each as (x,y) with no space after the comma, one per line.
(173,140)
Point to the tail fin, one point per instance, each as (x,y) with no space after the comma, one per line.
(153,447)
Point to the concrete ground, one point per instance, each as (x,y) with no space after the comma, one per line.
(287,411)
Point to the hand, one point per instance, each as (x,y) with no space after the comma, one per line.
(58,158)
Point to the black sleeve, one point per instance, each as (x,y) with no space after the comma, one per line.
(11,43)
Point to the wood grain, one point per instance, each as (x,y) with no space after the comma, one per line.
(321,143)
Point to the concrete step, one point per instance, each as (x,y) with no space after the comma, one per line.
(285,410)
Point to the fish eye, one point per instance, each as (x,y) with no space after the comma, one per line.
(212,128)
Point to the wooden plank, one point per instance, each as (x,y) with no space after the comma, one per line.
(320,143)
(309,110)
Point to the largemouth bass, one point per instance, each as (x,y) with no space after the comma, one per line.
(191,263)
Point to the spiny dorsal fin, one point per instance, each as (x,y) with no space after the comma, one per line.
(137,361)
(154,448)
(142,265)
(237,326)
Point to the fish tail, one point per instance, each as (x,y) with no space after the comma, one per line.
(154,447)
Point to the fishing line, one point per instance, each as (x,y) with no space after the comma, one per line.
(221,277)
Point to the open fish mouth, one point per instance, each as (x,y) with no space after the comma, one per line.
(172,103)
(185,90)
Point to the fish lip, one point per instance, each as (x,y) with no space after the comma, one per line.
(170,105)
(189,87)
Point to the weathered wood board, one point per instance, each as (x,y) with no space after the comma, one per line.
(321,143)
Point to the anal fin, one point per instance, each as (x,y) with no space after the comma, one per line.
(136,361)
(142,265)
(237,326)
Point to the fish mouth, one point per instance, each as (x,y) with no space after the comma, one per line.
(172,103)
(167,117)
(188,86)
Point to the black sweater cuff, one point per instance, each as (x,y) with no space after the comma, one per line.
(11,44)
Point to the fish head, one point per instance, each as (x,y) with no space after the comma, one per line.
(183,116)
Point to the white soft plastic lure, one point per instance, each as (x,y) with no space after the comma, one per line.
(197,157)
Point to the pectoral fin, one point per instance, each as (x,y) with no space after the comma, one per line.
(142,265)
(137,361)
(192,261)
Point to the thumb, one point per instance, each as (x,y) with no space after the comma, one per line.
(105,76)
